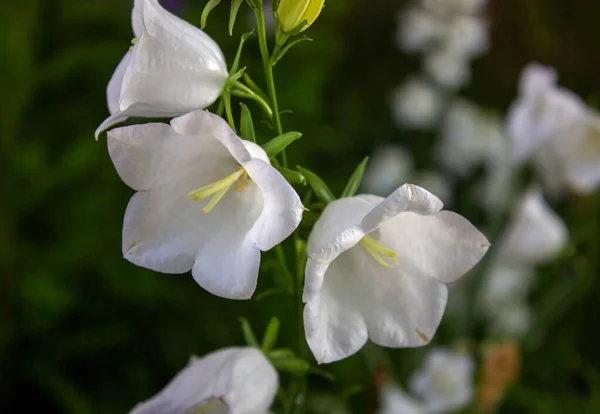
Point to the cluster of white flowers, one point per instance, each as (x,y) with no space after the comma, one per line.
(210,202)
(444,384)
(534,235)
(449,34)
(556,128)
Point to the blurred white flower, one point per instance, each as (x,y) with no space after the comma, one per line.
(417,103)
(466,36)
(513,321)
(153,79)
(445,381)
(447,68)
(394,400)
(231,380)
(453,7)
(506,282)
(471,137)
(418,29)
(354,289)
(542,111)
(535,233)
(388,167)
(207,201)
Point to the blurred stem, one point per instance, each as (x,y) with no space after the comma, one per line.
(266,60)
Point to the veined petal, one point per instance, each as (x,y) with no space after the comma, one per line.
(240,379)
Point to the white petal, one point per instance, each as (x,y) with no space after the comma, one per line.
(241,380)
(417,103)
(160,74)
(442,246)
(394,400)
(113,92)
(137,22)
(406,198)
(447,68)
(536,233)
(282,208)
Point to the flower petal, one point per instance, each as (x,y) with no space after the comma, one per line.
(240,378)
(282,208)
(113,91)
(442,246)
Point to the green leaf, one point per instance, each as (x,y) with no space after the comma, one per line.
(279,143)
(235,6)
(252,85)
(355,179)
(319,187)
(283,51)
(207,9)
(249,336)
(271,333)
(281,353)
(234,77)
(246,124)
(238,54)
(293,177)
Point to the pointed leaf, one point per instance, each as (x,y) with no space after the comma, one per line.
(249,336)
(279,143)
(207,9)
(271,334)
(293,177)
(252,85)
(246,124)
(355,179)
(319,187)
(283,51)
(235,6)
(238,54)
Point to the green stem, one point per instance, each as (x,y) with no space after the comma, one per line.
(266,60)
(242,90)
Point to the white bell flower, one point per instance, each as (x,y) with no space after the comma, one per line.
(228,381)
(377,270)
(172,68)
(535,233)
(417,103)
(445,381)
(467,36)
(394,400)
(448,68)
(542,111)
(389,166)
(207,201)
(418,30)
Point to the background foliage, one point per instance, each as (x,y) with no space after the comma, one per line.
(82,330)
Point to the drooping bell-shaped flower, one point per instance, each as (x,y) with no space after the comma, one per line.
(535,234)
(445,381)
(228,381)
(207,201)
(377,270)
(171,69)
(541,111)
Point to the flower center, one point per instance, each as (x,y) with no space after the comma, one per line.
(218,189)
(377,250)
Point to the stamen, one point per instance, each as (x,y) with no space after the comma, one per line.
(376,250)
(217,189)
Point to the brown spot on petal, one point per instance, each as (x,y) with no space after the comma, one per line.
(423,336)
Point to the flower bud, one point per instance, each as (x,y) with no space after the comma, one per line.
(293,12)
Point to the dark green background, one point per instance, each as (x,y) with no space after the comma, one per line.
(84,331)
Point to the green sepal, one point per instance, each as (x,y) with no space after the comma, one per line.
(355,180)
(291,364)
(283,51)
(318,185)
(271,333)
(235,6)
(279,143)
(246,124)
(207,9)
(293,177)
(238,54)
(249,336)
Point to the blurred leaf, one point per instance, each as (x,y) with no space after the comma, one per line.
(248,333)
(318,185)
(355,180)
(271,333)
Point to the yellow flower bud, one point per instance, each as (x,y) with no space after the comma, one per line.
(293,12)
